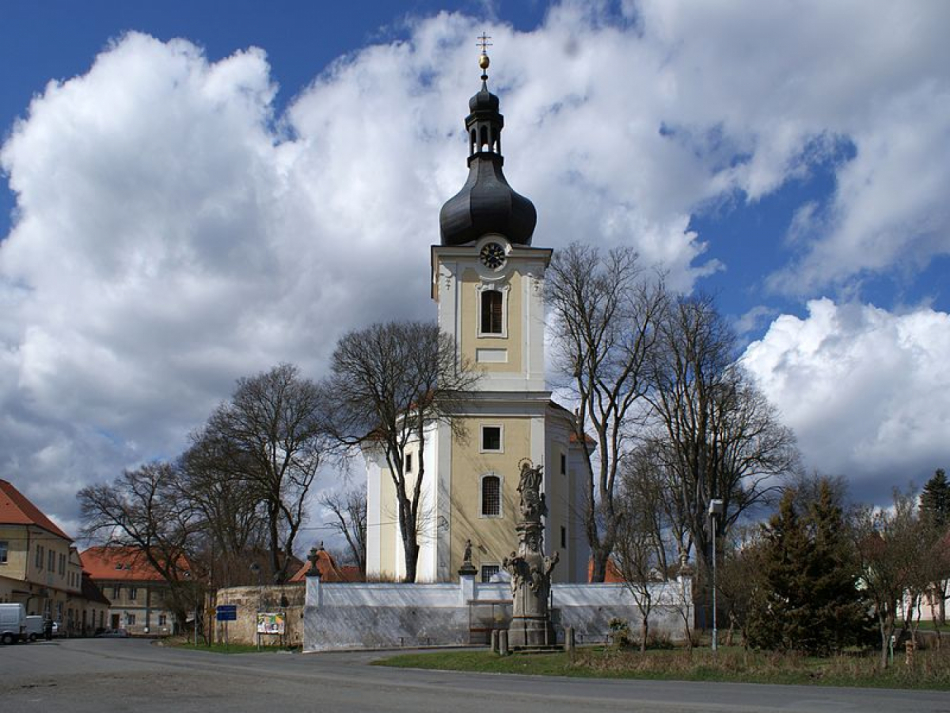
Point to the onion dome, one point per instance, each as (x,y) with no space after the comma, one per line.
(486,203)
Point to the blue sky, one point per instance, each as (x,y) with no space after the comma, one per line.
(207,189)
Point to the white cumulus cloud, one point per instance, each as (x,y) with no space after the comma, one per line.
(864,389)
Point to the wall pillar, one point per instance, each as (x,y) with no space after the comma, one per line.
(466,588)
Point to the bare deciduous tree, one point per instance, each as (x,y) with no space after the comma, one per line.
(389,384)
(142,511)
(605,311)
(640,550)
(232,518)
(716,434)
(738,576)
(269,438)
(891,545)
(349,519)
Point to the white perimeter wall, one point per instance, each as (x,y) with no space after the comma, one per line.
(387,615)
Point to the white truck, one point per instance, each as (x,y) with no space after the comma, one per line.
(35,626)
(12,623)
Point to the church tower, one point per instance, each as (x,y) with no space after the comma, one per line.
(487,278)
(488,282)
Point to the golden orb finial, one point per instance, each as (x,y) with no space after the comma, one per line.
(483,60)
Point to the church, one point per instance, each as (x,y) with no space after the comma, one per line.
(488,283)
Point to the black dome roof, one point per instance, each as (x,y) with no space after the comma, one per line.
(483,101)
(486,203)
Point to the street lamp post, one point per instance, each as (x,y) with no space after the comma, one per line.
(196,614)
(256,569)
(194,584)
(715,512)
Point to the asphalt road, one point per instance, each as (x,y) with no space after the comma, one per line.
(96,675)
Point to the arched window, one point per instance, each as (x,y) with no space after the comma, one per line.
(491,496)
(492,312)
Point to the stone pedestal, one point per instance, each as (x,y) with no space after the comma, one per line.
(531,632)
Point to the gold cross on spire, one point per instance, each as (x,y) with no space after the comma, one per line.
(483,60)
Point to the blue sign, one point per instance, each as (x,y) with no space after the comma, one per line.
(226,612)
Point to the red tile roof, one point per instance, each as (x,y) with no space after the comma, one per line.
(118,563)
(329,570)
(15,509)
(613,575)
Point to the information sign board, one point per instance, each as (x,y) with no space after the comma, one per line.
(270,623)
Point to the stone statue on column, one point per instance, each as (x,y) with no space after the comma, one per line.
(529,568)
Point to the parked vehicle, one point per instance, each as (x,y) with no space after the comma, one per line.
(113,634)
(12,623)
(34,626)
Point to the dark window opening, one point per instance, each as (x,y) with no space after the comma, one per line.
(491,438)
(492,312)
(563,537)
(491,496)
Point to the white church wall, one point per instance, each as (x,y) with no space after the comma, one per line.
(390,615)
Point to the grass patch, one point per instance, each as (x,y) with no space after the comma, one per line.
(929,669)
(934,626)
(220,648)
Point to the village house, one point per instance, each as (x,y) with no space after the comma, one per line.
(137,592)
(41,569)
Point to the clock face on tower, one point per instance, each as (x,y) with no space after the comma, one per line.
(492,256)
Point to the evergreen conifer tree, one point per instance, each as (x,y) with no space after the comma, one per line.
(935,500)
(806,599)
(935,512)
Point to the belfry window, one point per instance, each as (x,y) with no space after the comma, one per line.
(492,440)
(493,313)
(491,496)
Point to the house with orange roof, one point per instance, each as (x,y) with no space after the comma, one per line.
(330,571)
(137,592)
(40,567)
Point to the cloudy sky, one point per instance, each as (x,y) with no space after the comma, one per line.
(193,195)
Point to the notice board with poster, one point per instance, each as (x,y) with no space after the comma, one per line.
(270,622)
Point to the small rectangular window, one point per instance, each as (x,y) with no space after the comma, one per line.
(409,462)
(4,549)
(489,571)
(563,464)
(162,620)
(130,619)
(133,593)
(491,439)
(39,557)
(563,537)
(51,561)
(115,592)
(62,565)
